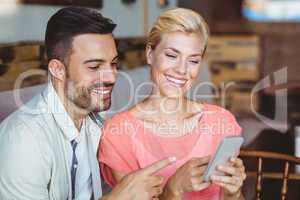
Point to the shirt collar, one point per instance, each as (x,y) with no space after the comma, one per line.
(62,118)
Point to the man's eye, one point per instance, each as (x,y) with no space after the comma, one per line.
(115,64)
(94,67)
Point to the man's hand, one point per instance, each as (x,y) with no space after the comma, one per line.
(141,184)
(187,178)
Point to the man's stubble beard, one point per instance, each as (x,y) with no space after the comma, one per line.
(82,98)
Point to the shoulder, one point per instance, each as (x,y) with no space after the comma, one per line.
(17,124)
(22,159)
(20,129)
(117,119)
(19,143)
(120,124)
(222,120)
(211,111)
(28,129)
(26,139)
(24,122)
(27,114)
(217,111)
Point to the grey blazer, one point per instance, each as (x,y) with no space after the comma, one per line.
(33,162)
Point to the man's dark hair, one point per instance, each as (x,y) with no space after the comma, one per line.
(69,22)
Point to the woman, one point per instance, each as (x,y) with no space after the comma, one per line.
(167,124)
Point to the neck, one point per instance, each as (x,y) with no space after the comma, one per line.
(168,107)
(76,114)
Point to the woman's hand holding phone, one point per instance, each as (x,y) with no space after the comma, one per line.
(187,178)
(227,170)
(231,179)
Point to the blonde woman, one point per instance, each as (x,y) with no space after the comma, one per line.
(167,124)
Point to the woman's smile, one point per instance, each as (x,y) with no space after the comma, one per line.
(180,83)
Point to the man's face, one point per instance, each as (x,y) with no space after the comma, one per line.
(91,71)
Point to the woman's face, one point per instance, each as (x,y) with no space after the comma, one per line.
(175,62)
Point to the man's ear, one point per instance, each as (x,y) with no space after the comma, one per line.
(57,69)
(149,54)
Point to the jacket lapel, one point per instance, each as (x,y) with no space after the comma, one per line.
(93,137)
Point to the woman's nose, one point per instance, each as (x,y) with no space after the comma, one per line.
(181,68)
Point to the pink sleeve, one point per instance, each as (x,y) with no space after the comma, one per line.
(224,124)
(231,126)
(115,150)
(237,130)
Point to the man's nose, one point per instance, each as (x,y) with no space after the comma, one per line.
(107,75)
(110,75)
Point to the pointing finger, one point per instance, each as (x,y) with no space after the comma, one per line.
(158,166)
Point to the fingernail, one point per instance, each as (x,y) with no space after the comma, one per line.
(232,159)
(172,159)
(195,186)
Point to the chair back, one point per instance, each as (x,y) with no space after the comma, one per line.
(285,175)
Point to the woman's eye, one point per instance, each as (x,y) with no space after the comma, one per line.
(195,62)
(171,55)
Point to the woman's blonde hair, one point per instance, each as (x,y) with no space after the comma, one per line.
(178,19)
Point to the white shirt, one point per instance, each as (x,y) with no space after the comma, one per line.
(83,180)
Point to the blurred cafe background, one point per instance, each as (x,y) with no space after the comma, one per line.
(251,67)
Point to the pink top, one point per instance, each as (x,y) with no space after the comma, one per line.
(127,145)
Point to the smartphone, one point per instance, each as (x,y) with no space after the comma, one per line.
(228,147)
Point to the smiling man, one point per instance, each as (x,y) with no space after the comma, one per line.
(48,147)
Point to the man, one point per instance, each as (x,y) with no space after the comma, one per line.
(48,147)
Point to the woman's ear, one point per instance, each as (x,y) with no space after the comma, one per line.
(57,69)
(149,54)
